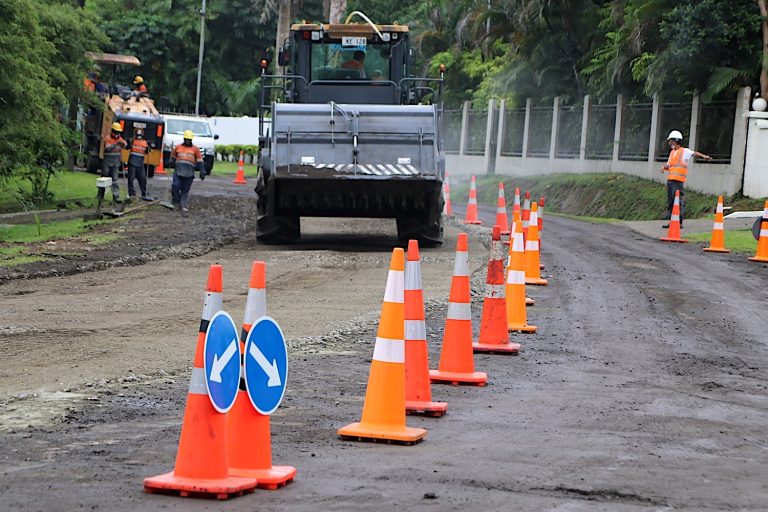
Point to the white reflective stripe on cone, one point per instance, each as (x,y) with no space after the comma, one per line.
(675,217)
(461,265)
(501,209)
(532,245)
(212,303)
(494,291)
(763,232)
(197,382)
(472,200)
(718,225)
(515,277)
(415,330)
(395,283)
(459,311)
(255,305)
(534,218)
(719,208)
(389,351)
(517,244)
(412,275)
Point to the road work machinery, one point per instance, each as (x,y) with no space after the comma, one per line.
(348,131)
(131,110)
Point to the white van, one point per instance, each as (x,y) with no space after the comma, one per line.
(175,126)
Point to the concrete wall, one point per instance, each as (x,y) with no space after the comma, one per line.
(715,178)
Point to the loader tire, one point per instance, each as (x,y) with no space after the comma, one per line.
(429,232)
(278,230)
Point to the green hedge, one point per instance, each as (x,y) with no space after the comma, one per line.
(227,150)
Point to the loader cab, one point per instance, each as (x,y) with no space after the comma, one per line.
(352,63)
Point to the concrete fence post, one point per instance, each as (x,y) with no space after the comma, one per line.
(618,126)
(584,127)
(740,127)
(464,128)
(555,128)
(502,133)
(693,134)
(527,126)
(653,140)
(489,155)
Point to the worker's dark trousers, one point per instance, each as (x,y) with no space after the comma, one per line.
(180,189)
(138,173)
(672,187)
(110,169)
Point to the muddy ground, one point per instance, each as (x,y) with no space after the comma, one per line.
(644,389)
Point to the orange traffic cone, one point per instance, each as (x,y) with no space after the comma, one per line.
(240,176)
(457,363)
(202,467)
(762,242)
(253,458)
(160,168)
(532,260)
(717,243)
(526,214)
(447,195)
(673,235)
(418,392)
(494,336)
(541,215)
(517,319)
(501,211)
(516,205)
(516,220)
(471,217)
(384,407)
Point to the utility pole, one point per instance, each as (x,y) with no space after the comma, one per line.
(200,59)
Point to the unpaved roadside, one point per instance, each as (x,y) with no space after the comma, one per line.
(645,388)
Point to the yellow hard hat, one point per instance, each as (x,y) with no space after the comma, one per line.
(116,127)
(189,134)
(138,80)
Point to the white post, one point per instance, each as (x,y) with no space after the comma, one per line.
(487,156)
(464,127)
(584,127)
(502,128)
(200,59)
(527,126)
(654,135)
(693,133)
(740,123)
(617,126)
(555,128)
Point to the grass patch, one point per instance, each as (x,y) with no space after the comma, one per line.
(101,238)
(585,218)
(66,186)
(737,240)
(600,195)
(28,233)
(21,260)
(230,169)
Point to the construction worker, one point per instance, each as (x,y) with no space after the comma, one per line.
(677,167)
(136,169)
(140,87)
(356,62)
(113,146)
(186,158)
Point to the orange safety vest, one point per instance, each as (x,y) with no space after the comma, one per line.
(139,147)
(112,146)
(189,154)
(678,169)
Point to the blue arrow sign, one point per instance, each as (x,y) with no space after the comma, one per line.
(222,361)
(266,365)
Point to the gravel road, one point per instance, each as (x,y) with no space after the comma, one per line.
(644,389)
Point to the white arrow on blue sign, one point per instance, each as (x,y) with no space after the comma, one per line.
(266,365)
(222,361)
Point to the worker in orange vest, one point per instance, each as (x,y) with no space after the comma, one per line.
(136,169)
(186,158)
(677,167)
(112,162)
(140,87)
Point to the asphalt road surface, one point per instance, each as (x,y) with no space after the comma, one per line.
(644,389)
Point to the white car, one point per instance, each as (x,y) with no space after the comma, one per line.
(175,126)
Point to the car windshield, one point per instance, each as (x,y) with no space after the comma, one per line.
(179,126)
(334,61)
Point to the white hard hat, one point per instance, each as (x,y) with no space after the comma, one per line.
(674,134)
